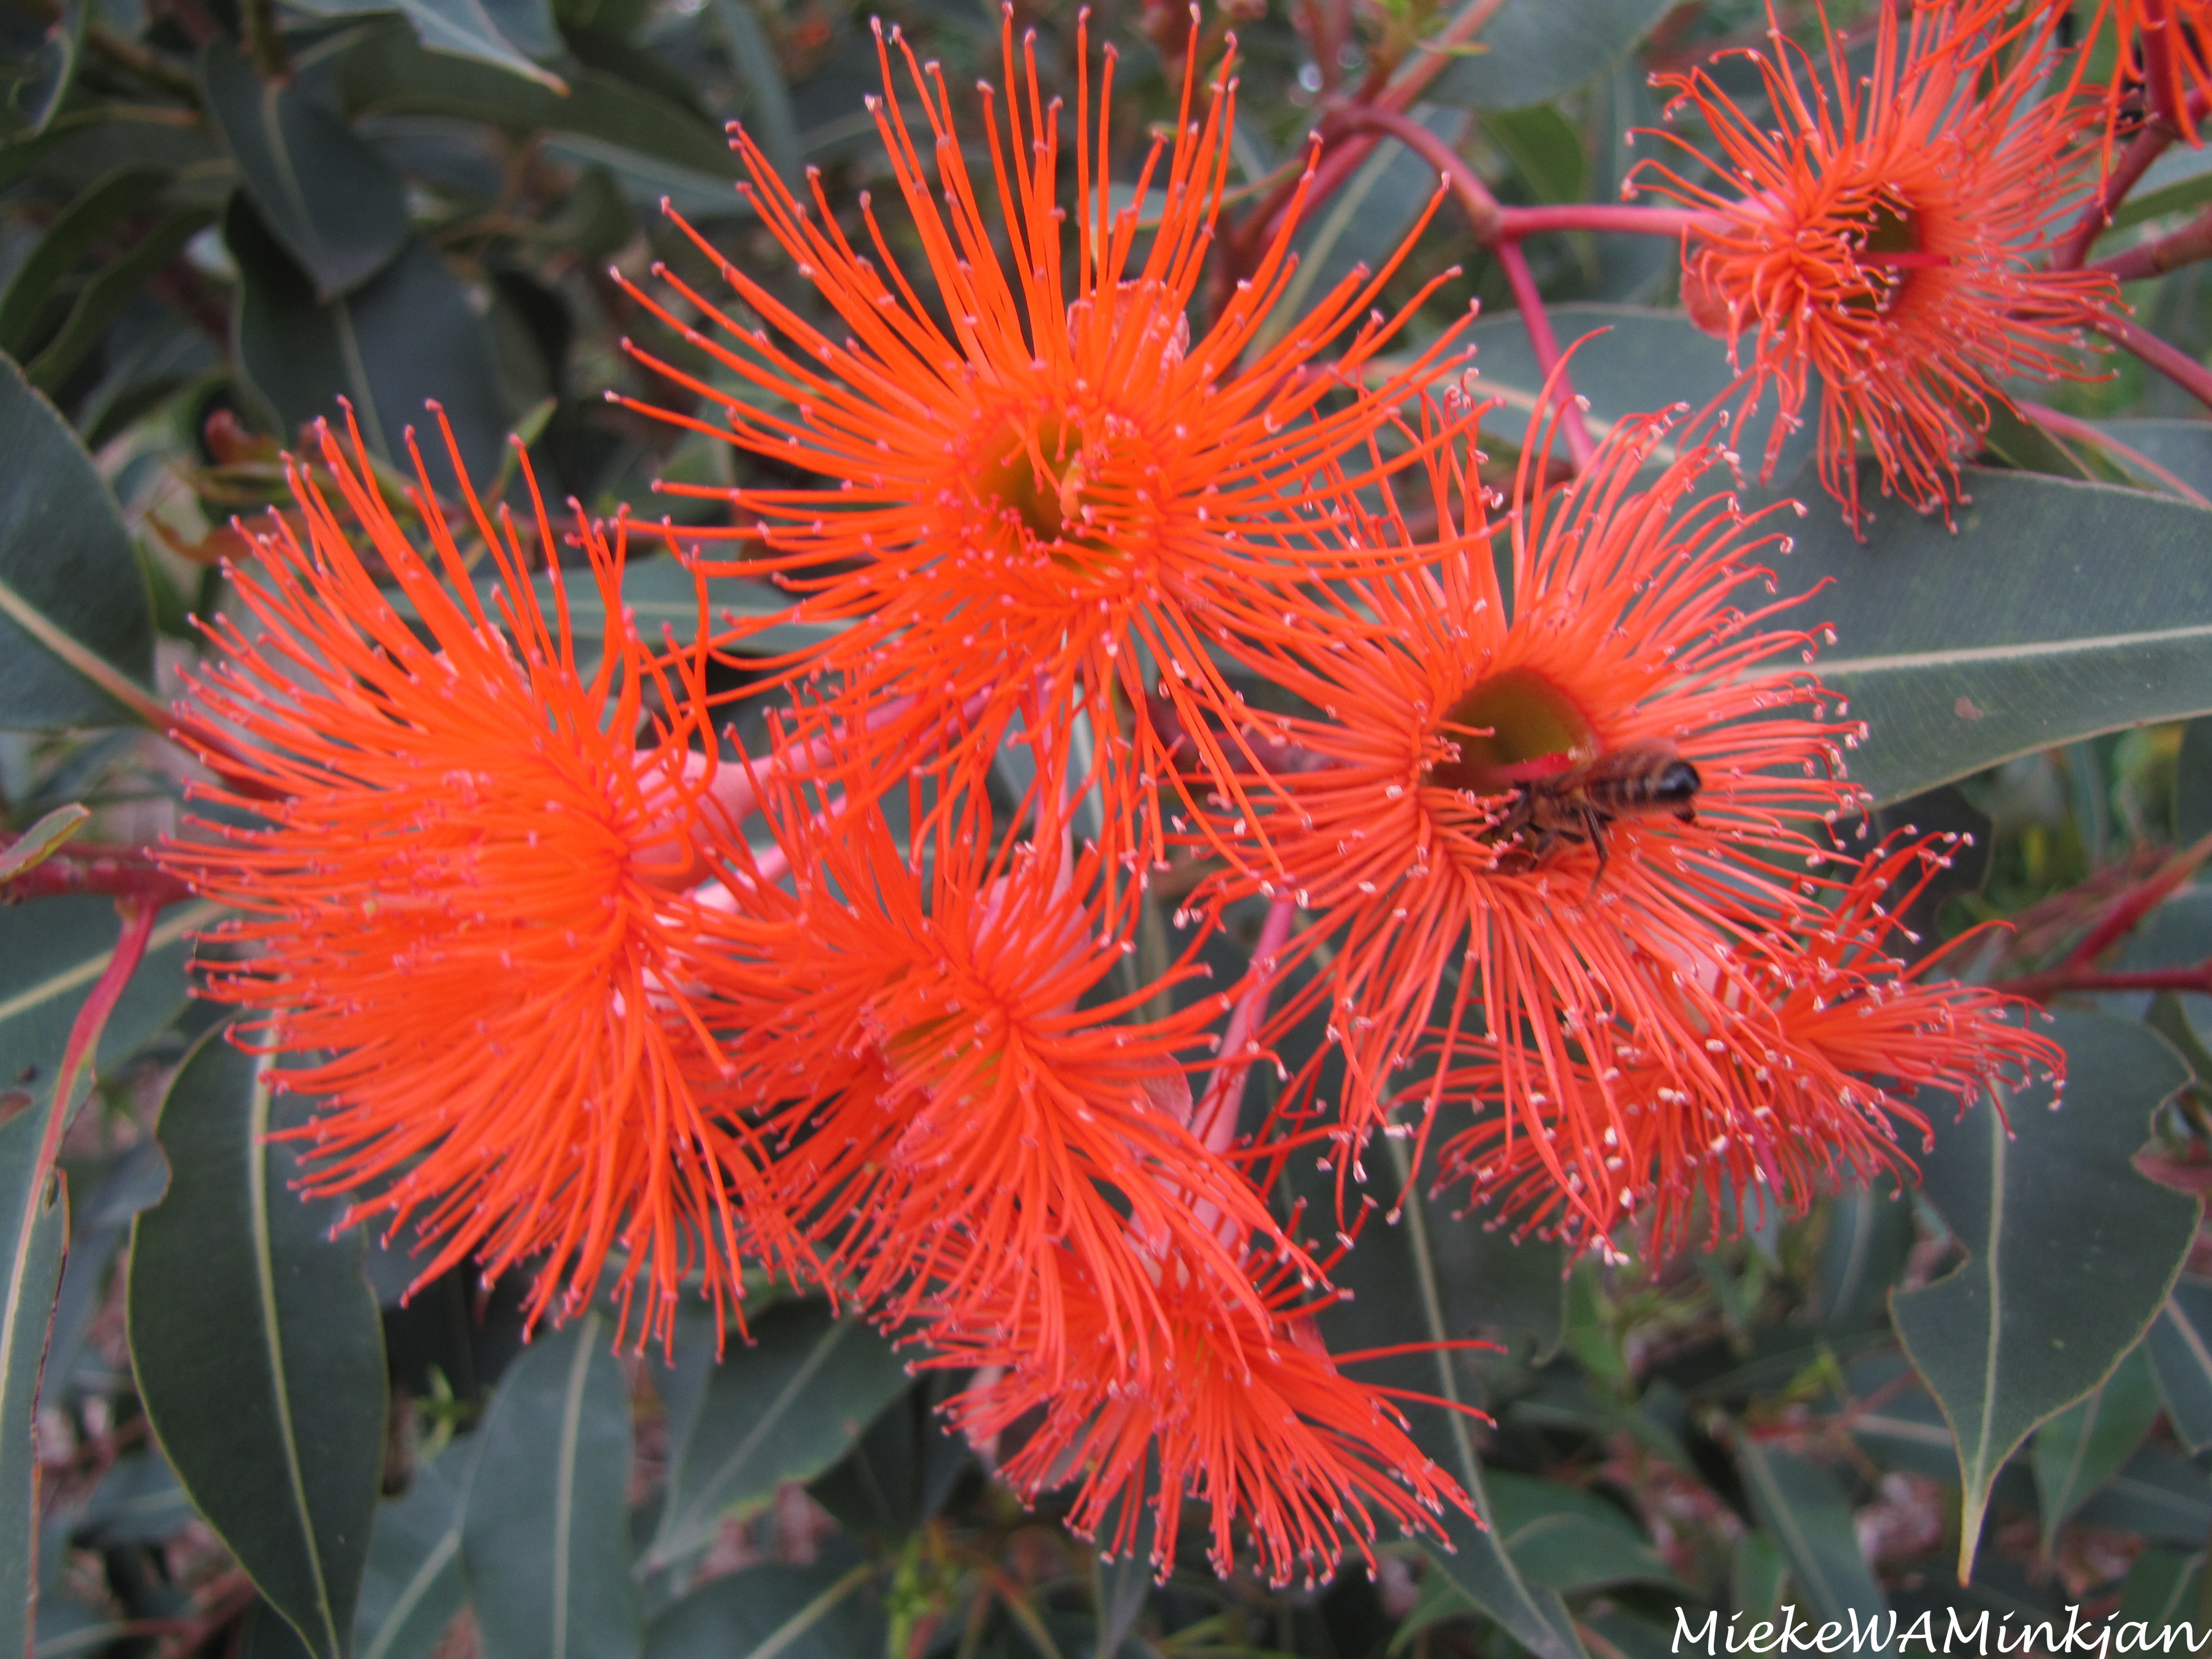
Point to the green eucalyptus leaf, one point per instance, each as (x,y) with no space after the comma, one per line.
(899,1474)
(336,205)
(1866,1236)
(823,1612)
(256,1344)
(784,1407)
(2192,802)
(69,239)
(2159,1493)
(773,125)
(499,34)
(1568,1540)
(2180,1349)
(76,628)
(1962,648)
(1759,1572)
(135,1181)
(139,1501)
(1121,1587)
(1803,1509)
(42,840)
(2070,1251)
(546,1537)
(2158,454)
(1544,149)
(1534,49)
(386,73)
(1429,1277)
(2177,181)
(33,1232)
(408,337)
(103,300)
(1627,361)
(414,1585)
(51,952)
(2160,1588)
(2079,1449)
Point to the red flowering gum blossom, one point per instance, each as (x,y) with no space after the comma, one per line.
(1453,705)
(1249,1413)
(466,922)
(977,1106)
(1822,1058)
(1061,496)
(1884,232)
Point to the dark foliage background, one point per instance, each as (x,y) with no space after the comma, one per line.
(216,218)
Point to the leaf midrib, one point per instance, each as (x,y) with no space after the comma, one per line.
(264,1285)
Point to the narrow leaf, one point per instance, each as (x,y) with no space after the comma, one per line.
(545,1535)
(1424,1278)
(1571,1539)
(2181,1348)
(77,629)
(36,1229)
(2159,1493)
(465,29)
(1962,648)
(1799,1505)
(1362,222)
(2082,1447)
(784,1407)
(414,1585)
(407,337)
(774,1612)
(41,840)
(257,1348)
(772,124)
(68,240)
(2070,1251)
(53,950)
(335,204)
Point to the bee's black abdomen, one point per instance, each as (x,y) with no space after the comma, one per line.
(1677,785)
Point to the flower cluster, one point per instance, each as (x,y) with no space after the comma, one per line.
(1135,641)
(1887,234)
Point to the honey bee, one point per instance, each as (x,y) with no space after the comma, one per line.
(1641,779)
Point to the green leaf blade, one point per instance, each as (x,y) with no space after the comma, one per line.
(2071,1251)
(785,1408)
(257,1347)
(77,627)
(336,206)
(545,1531)
(1802,1508)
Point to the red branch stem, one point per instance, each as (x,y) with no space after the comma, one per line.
(1519,222)
(2053,981)
(125,873)
(2132,907)
(1489,220)
(2192,242)
(2177,366)
(1215,1121)
(2156,136)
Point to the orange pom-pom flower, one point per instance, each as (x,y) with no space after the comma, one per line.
(1437,830)
(467,920)
(978,1105)
(1823,1057)
(1883,233)
(1249,1413)
(1058,498)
